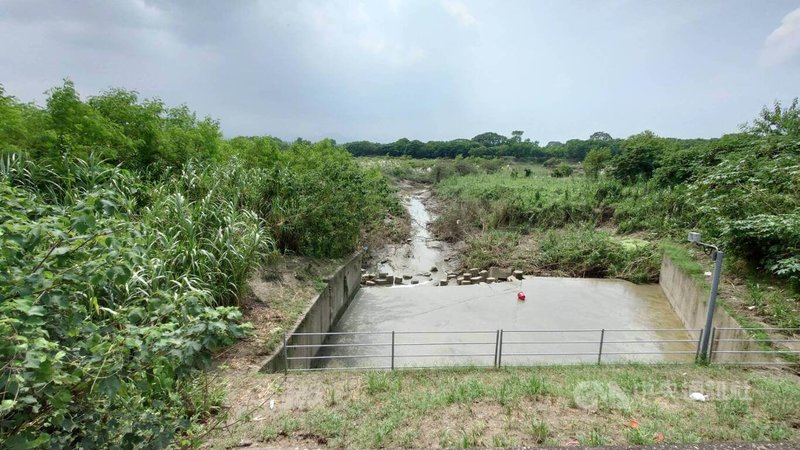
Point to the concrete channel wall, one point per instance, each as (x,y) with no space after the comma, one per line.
(689,299)
(320,317)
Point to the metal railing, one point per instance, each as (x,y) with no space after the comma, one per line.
(389,350)
(780,349)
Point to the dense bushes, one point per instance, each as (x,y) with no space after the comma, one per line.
(315,198)
(101,328)
(116,126)
(127,233)
(502,200)
(742,191)
(590,253)
(111,290)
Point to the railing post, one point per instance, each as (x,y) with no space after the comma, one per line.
(500,351)
(600,351)
(699,343)
(496,346)
(285,354)
(392,349)
(711,344)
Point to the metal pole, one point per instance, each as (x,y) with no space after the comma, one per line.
(496,346)
(602,338)
(712,304)
(699,341)
(392,349)
(500,351)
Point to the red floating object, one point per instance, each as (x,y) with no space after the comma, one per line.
(521,296)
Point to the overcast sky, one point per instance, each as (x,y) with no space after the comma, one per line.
(427,69)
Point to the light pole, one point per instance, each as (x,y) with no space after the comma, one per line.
(716,256)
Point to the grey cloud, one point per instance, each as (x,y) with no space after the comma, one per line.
(422,69)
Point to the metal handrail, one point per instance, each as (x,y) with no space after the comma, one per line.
(399,344)
(338,333)
(604,337)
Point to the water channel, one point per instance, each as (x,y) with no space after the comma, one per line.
(562,320)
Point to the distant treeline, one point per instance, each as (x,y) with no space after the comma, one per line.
(494,145)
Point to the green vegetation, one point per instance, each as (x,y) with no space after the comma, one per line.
(495,145)
(741,191)
(464,408)
(128,231)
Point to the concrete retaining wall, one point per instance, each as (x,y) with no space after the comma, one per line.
(689,299)
(320,317)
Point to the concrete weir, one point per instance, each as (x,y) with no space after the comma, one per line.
(584,305)
(419,313)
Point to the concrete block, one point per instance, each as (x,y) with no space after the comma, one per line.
(491,280)
(499,273)
(370,283)
(465,282)
(518,274)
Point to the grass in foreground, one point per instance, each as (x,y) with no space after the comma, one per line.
(556,405)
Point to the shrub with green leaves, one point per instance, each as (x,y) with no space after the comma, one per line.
(96,351)
(591,253)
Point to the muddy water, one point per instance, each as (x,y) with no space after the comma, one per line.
(584,305)
(422,253)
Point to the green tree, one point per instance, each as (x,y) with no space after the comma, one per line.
(639,157)
(490,139)
(596,161)
(78,129)
(779,121)
(563,170)
(600,136)
(13,132)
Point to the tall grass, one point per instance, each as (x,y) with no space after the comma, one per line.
(506,201)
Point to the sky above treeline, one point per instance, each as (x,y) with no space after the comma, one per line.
(429,69)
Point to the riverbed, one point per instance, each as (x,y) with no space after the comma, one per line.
(422,259)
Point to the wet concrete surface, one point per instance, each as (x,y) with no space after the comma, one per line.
(425,318)
(423,252)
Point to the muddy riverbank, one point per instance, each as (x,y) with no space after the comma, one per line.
(421,259)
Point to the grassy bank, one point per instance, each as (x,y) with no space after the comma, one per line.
(554,405)
(542,225)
